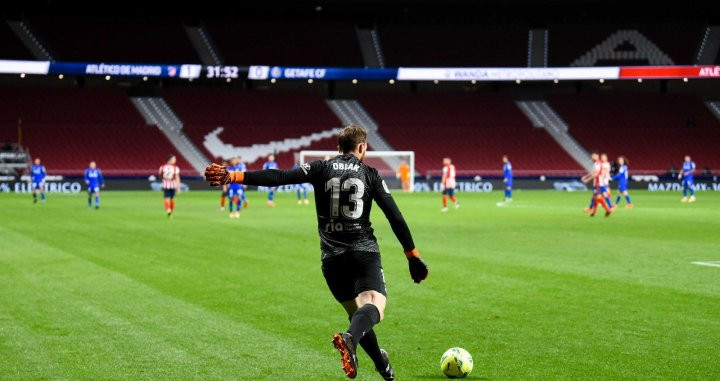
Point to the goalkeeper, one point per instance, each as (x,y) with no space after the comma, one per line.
(350,253)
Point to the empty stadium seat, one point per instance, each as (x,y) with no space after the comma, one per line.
(678,42)
(256,117)
(653,131)
(286,43)
(12,47)
(474,130)
(69,127)
(115,39)
(454,45)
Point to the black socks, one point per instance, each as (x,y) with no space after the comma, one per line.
(370,344)
(368,340)
(363,321)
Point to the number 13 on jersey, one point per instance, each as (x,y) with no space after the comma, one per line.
(353,208)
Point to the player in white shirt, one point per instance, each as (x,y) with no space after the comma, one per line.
(448,184)
(170,175)
(599,190)
(605,180)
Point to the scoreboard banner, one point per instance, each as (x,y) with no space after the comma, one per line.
(24,67)
(654,72)
(506,73)
(557,73)
(259,72)
(100,68)
(262,72)
(125,69)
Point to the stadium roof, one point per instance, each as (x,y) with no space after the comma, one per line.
(434,11)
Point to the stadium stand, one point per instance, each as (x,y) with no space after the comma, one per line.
(12,47)
(457,45)
(115,40)
(475,130)
(286,43)
(653,131)
(70,127)
(257,117)
(679,42)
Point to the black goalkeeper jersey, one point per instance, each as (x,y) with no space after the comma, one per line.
(344,191)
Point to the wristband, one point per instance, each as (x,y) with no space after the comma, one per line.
(237,177)
(414,253)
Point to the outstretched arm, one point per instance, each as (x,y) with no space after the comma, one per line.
(218,175)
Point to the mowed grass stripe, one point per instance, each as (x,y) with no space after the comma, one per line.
(556,318)
(220,270)
(72,310)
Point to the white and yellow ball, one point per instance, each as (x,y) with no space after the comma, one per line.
(456,363)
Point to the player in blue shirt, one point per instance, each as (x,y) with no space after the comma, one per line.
(302,190)
(507,178)
(688,182)
(37,178)
(94,181)
(622,177)
(271,164)
(236,192)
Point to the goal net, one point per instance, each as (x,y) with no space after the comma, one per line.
(387,163)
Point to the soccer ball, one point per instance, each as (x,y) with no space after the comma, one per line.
(456,363)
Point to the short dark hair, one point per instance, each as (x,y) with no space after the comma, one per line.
(350,137)
(170,157)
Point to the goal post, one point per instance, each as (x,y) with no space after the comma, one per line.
(386,162)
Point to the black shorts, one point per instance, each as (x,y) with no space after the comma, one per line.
(349,274)
(169,193)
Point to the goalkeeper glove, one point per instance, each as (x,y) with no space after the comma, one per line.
(218,175)
(418,268)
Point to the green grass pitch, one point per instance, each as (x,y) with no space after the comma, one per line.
(535,290)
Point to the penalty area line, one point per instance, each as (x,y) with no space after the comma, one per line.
(707,263)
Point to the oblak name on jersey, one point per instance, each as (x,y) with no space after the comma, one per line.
(345,167)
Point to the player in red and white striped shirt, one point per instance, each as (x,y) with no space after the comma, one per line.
(170,175)
(448,184)
(599,184)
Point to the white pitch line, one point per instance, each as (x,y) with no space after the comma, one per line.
(707,263)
